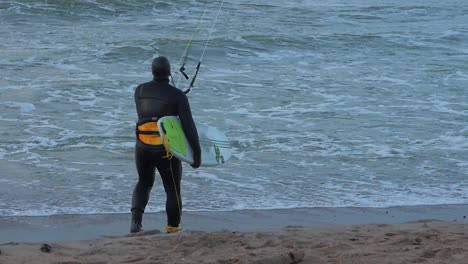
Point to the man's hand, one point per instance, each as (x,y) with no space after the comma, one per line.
(196,161)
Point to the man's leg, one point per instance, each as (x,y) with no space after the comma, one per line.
(171,173)
(141,192)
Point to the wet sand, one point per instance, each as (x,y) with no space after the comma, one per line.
(411,234)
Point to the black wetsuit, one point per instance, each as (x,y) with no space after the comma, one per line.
(156,99)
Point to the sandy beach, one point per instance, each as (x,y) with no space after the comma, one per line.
(419,234)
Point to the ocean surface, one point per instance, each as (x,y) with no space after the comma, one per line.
(326,103)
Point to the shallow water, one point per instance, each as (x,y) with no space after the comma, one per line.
(326,103)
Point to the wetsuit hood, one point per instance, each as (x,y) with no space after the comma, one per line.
(161,68)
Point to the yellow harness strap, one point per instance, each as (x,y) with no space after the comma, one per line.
(169,156)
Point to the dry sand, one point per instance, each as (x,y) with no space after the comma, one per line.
(415,242)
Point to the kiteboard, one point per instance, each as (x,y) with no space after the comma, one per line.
(215,147)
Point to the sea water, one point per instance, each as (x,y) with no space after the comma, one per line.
(326,103)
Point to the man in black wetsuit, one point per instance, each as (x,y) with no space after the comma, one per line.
(154,100)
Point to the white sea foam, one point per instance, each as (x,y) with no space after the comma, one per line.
(41,142)
(449,142)
(22,106)
(218,180)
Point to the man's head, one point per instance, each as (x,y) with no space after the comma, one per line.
(161,67)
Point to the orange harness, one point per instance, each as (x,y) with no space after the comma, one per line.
(147,131)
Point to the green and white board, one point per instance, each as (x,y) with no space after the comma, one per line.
(215,147)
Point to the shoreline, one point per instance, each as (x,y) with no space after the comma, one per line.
(67,228)
(405,234)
